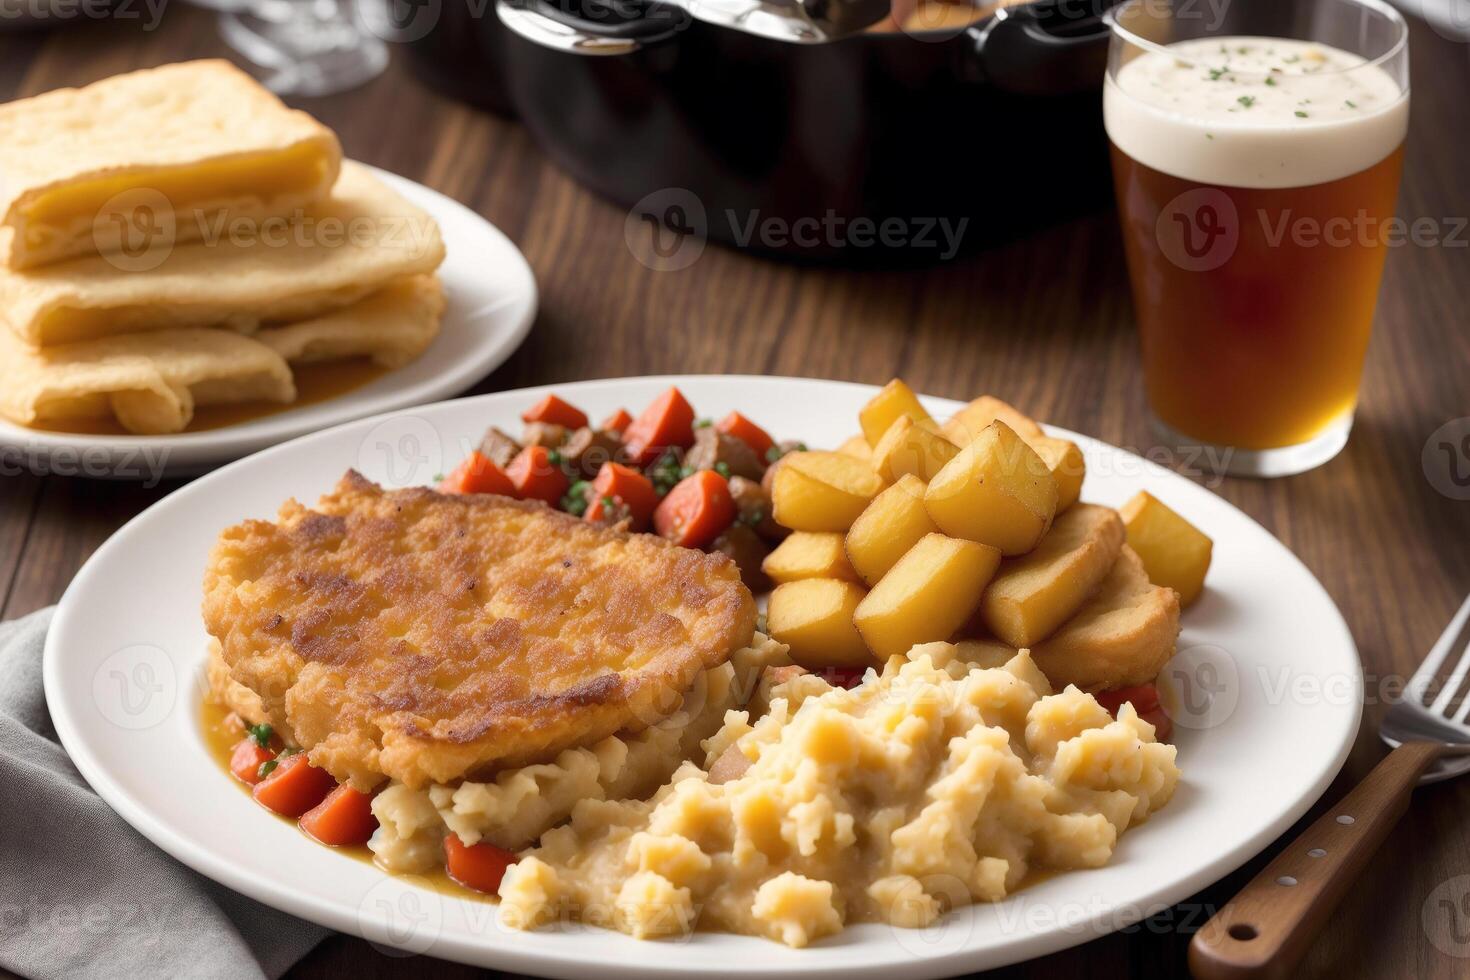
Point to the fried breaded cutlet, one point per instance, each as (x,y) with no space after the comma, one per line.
(422,637)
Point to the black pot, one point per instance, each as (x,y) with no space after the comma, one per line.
(874,147)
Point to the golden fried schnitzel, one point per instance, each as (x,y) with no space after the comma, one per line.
(425,637)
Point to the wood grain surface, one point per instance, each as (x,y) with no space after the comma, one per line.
(1045,322)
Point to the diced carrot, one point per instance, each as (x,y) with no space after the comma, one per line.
(536,476)
(478,474)
(246,760)
(668,423)
(478,866)
(696,511)
(344,817)
(1145,700)
(293,786)
(552,409)
(1163,724)
(617,422)
(845,677)
(629,486)
(1142,696)
(746,431)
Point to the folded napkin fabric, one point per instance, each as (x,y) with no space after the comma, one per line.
(84,895)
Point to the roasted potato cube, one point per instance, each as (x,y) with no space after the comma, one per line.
(891,525)
(1067,466)
(912,447)
(1033,595)
(856,446)
(997,491)
(1175,553)
(895,399)
(814,616)
(822,491)
(809,554)
(971,420)
(927,595)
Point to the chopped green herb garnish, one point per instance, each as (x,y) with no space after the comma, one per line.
(703,423)
(665,473)
(266,768)
(555,458)
(1247,100)
(686,471)
(1215,73)
(1293,59)
(1209,136)
(261,734)
(722,468)
(1350,104)
(437,477)
(754,518)
(1300,114)
(609,502)
(575,500)
(1270,81)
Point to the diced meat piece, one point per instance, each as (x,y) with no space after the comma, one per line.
(547,434)
(753,507)
(587,449)
(747,551)
(498,447)
(712,448)
(731,765)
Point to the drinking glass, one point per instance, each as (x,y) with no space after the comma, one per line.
(1256,151)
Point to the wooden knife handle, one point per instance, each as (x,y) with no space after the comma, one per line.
(1265,929)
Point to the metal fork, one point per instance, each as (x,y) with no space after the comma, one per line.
(1266,928)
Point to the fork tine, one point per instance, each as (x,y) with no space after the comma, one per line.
(1451,639)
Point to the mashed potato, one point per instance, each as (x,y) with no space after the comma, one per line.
(939,783)
(520,804)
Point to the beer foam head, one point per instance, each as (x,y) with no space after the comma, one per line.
(1254,111)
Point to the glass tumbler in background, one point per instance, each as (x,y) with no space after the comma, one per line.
(1256,155)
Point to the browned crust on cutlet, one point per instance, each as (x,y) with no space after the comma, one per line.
(426,637)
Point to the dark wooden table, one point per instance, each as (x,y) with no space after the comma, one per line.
(1045,322)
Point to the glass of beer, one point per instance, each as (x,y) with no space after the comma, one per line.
(1256,150)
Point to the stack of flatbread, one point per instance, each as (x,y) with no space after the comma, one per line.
(176,237)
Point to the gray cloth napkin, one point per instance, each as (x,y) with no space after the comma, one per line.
(82,894)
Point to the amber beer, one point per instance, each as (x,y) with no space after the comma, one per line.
(1256,180)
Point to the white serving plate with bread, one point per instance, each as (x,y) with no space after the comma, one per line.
(491,302)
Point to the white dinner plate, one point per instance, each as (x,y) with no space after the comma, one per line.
(491,296)
(1265,691)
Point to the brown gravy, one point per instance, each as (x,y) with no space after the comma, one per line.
(222,732)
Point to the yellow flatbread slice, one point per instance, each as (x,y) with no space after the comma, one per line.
(325,256)
(150,156)
(392,326)
(150,382)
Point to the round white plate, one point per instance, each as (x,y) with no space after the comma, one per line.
(1266,690)
(491,297)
